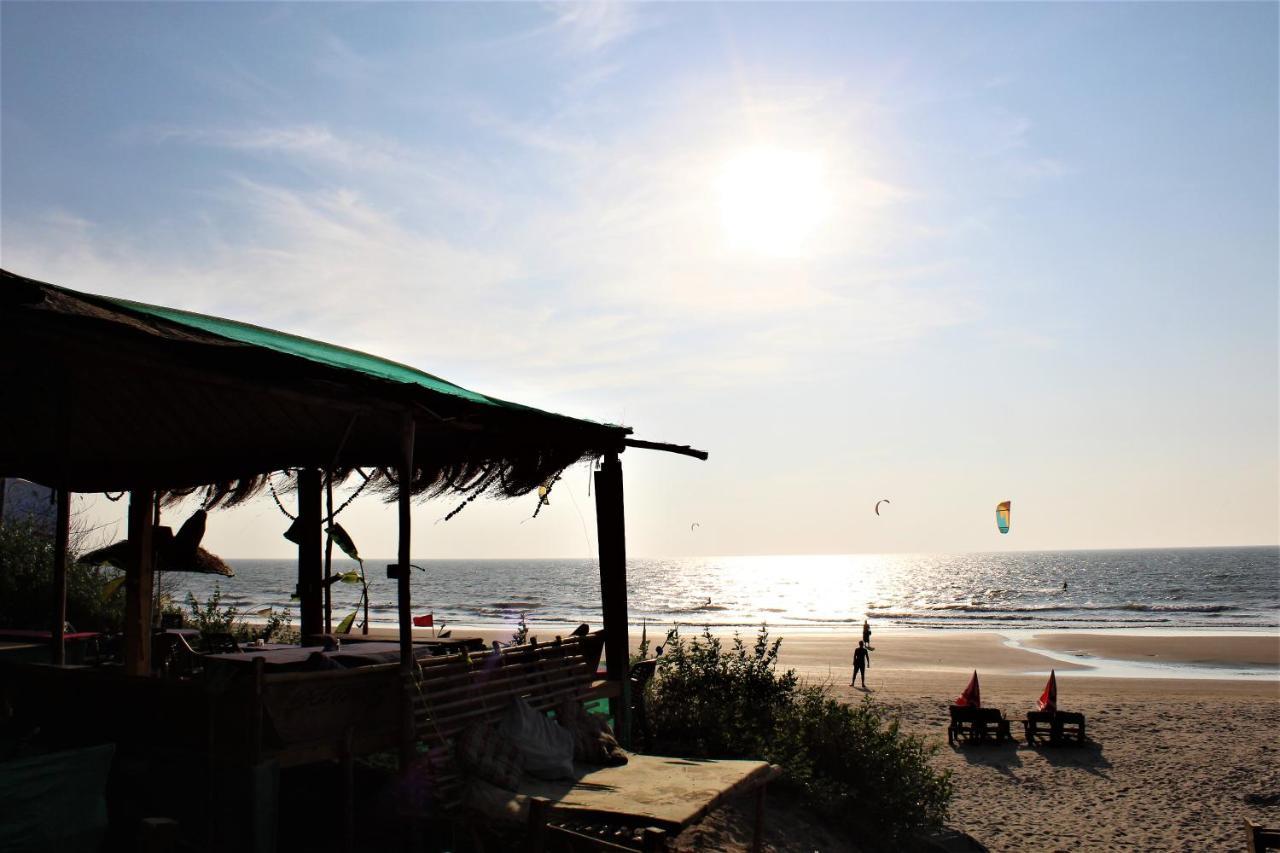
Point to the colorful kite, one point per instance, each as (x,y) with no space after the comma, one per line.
(1002,515)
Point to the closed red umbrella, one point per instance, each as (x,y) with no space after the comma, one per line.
(1049,698)
(971,697)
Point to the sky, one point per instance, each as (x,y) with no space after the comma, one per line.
(946,255)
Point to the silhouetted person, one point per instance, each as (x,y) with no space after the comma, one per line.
(860,660)
(866,632)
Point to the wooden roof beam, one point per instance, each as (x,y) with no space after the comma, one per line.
(682,449)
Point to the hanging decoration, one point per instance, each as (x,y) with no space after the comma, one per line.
(544,495)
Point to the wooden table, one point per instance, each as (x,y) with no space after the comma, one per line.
(280,657)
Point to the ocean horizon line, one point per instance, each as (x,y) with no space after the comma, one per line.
(1115,549)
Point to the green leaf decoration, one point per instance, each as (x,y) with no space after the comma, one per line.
(112,588)
(349,577)
(343,540)
(344,627)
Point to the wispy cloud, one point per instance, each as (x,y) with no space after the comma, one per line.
(341,159)
(593,26)
(542,137)
(617,274)
(315,141)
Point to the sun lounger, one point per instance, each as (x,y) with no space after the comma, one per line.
(993,725)
(1053,727)
(973,725)
(451,694)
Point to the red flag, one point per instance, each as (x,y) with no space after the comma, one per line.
(971,697)
(1049,698)
(427,621)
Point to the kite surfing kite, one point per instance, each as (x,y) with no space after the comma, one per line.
(1002,515)
(882,501)
(695,524)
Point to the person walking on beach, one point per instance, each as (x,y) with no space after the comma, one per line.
(866,633)
(860,659)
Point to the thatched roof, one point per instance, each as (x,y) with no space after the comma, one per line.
(103,394)
(120,554)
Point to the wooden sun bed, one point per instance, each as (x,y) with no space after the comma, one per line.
(454,692)
(650,790)
(975,725)
(1054,727)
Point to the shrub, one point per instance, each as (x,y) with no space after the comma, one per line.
(26,584)
(212,617)
(521,634)
(852,763)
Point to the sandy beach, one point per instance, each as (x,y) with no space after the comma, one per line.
(1173,763)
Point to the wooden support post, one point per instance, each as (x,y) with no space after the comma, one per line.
(404,605)
(348,792)
(310,566)
(653,840)
(61,536)
(612,534)
(257,721)
(328,558)
(137,585)
(536,828)
(757,832)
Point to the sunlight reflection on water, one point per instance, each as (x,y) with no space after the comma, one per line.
(1206,588)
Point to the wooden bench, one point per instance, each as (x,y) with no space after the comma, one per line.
(973,725)
(1260,837)
(582,832)
(1054,727)
(452,693)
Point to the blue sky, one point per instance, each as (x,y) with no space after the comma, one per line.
(944,254)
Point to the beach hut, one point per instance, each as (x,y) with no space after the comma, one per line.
(154,401)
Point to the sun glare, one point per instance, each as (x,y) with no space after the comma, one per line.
(773,200)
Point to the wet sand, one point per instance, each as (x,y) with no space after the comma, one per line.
(1254,650)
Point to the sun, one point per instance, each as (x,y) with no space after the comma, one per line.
(774,201)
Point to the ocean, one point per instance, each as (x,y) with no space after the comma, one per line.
(1183,588)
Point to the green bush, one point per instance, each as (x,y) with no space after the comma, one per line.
(521,635)
(26,584)
(852,763)
(211,617)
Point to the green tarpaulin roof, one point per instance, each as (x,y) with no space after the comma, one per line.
(320,352)
(115,394)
